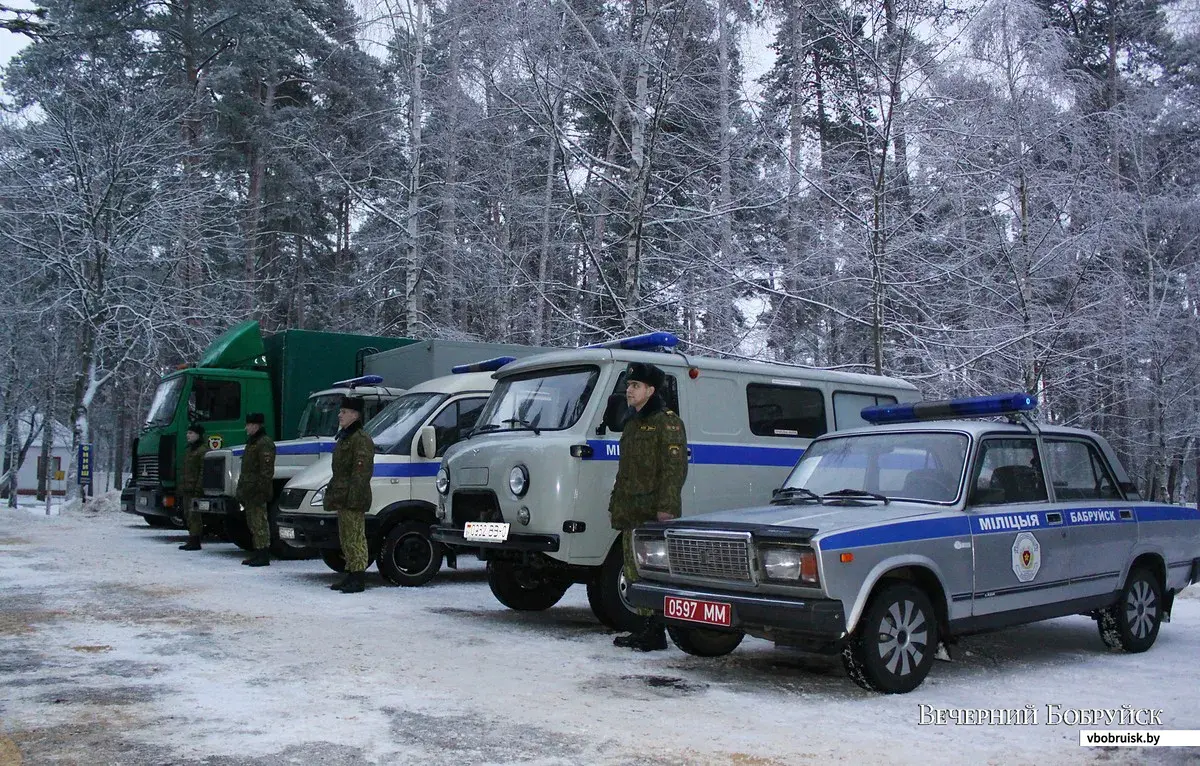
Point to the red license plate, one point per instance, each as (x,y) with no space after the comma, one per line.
(694,610)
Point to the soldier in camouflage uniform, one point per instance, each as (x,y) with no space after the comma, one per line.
(255,487)
(349,492)
(190,486)
(650,476)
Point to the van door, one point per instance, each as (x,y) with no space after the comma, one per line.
(716,423)
(450,424)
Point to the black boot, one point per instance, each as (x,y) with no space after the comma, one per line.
(261,558)
(341,583)
(637,636)
(356,582)
(652,639)
(193,543)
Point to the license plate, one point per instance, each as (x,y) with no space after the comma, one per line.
(486,531)
(143,500)
(694,610)
(287,533)
(202,505)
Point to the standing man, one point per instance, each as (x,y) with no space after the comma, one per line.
(650,476)
(191,487)
(255,487)
(349,492)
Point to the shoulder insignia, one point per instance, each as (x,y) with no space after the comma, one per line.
(672,427)
(673,450)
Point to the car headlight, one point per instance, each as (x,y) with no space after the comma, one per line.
(523,515)
(318,497)
(650,552)
(518,480)
(442,481)
(790,564)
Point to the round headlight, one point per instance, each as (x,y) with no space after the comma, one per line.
(442,481)
(518,480)
(523,515)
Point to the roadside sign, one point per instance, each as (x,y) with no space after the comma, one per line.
(84,464)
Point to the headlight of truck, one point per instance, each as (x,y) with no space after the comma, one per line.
(790,564)
(518,480)
(442,481)
(319,496)
(650,552)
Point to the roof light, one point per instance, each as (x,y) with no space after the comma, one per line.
(973,407)
(647,342)
(365,380)
(488,365)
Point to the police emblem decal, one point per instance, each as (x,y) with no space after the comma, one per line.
(1026,556)
(215,441)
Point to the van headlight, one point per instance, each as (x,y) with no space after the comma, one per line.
(442,480)
(518,480)
(318,498)
(789,564)
(650,552)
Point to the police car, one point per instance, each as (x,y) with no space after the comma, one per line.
(887,542)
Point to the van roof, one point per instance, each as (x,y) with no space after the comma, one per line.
(361,391)
(456,384)
(681,360)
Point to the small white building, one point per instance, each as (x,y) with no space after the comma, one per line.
(31,467)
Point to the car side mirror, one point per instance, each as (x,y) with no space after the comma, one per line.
(616,412)
(426,442)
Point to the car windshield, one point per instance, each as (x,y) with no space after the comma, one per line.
(162,407)
(921,467)
(320,416)
(393,428)
(546,400)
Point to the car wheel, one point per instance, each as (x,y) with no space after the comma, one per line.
(522,589)
(1132,623)
(893,647)
(333,559)
(238,533)
(702,642)
(605,594)
(158,522)
(409,556)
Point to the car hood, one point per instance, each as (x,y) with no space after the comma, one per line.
(314,476)
(823,517)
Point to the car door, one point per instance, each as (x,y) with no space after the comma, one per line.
(1021,546)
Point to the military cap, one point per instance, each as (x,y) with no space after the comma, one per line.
(645,373)
(352,403)
(255,417)
(197,429)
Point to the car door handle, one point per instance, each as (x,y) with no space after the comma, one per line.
(1127,515)
(1053,518)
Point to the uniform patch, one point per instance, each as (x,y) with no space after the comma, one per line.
(1026,556)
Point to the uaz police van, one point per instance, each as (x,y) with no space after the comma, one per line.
(530,488)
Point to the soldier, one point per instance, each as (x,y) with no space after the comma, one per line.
(190,486)
(255,487)
(349,492)
(650,476)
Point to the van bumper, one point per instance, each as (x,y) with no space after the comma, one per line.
(317,530)
(515,542)
(217,506)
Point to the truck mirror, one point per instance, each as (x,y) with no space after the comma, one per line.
(616,412)
(427,442)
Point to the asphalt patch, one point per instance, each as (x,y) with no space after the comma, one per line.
(453,739)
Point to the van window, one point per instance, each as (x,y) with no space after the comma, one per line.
(718,413)
(215,400)
(848,407)
(787,411)
(1008,471)
(456,420)
(1078,472)
(669,394)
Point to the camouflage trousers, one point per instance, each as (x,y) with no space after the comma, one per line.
(195,522)
(256,520)
(352,532)
(631,565)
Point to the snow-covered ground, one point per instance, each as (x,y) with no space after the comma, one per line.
(115,647)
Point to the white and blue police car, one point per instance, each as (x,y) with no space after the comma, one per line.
(888,541)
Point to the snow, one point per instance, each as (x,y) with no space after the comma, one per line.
(115,647)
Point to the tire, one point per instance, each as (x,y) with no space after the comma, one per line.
(893,647)
(408,556)
(333,559)
(701,642)
(279,548)
(176,522)
(158,522)
(521,589)
(238,533)
(1132,623)
(605,595)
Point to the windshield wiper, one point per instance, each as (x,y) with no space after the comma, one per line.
(849,494)
(525,425)
(790,494)
(485,427)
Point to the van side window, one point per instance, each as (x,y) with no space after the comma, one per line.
(848,407)
(669,394)
(1008,471)
(1078,471)
(215,400)
(371,408)
(455,420)
(786,411)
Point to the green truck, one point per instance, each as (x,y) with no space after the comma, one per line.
(240,372)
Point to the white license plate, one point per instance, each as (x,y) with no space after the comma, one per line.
(486,531)
(287,533)
(143,500)
(202,505)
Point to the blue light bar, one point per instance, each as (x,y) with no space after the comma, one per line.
(647,342)
(973,407)
(488,365)
(365,380)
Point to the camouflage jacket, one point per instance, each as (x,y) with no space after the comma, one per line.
(193,465)
(255,484)
(353,465)
(652,469)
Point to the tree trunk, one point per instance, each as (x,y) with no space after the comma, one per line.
(254,192)
(639,174)
(412,267)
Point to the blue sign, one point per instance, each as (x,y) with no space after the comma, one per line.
(84,463)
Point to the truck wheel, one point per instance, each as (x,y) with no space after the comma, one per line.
(892,649)
(158,522)
(408,556)
(522,589)
(334,559)
(1132,623)
(238,533)
(702,642)
(604,594)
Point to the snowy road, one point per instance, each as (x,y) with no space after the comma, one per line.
(117,648)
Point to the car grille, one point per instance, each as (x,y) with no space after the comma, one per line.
(212,476)
(720,558)
(291,499)
(147,467)
(475,506)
